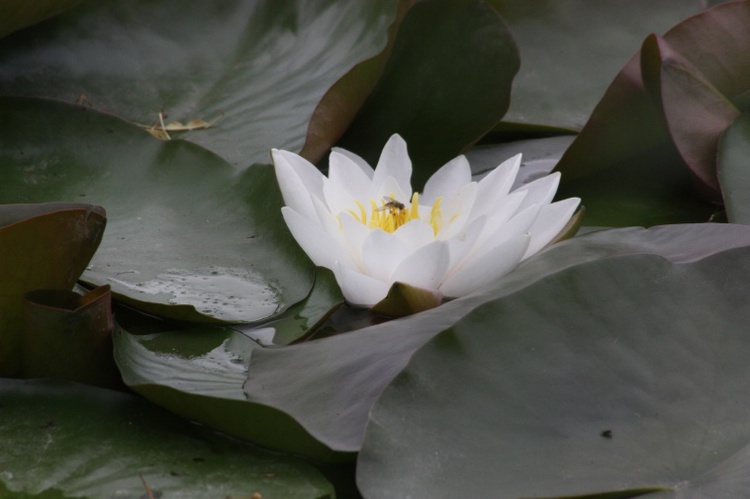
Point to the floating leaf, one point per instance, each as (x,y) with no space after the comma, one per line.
(265,63)
(18,14)
(69,336)
(189,237)
(562,75)
(612,378)
(432,90)
(62,439)
(42,246)
(734,170)
(665,109)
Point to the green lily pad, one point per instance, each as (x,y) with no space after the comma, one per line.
(189,236)
(734,169)
(261,65)
(561,42)
(18,14)
(446,83)
(613,378)
(667,107)
(42,246)
(321,409)
(342,376)
(198,374)
(62,439)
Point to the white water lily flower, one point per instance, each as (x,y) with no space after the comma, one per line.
(371,230)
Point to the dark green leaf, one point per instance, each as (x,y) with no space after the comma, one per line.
(61,439)
(263,65)
(302,319)
(445,85)
(734,170)
(666,108)
(198,373)
(571,50)
(189,237)
(18,14)
(623,374)
(340,377)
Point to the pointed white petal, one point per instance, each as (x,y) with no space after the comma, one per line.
(382,252)
(425,268)
(447,180)
(391,188)
(359,289)
(540,191)
(357,160)
(394,162)
(499,230)
(496,185)
(480,272)
(322,249)
(298,180)
(551,220)
(464,242)
(345,176)
(461,203)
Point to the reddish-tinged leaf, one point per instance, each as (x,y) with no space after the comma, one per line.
(41,246)
(69,336)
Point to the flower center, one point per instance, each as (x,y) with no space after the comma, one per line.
(392,214)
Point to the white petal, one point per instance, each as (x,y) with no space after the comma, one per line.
(551,220)
(345,176)
(415,234)
(461,202)
(394,162)
(447,180)
(480,272)
(464,242)
(322,249)
(355,234)
(357,160)
(382,253)
(540,191)
(496,185)
(457,210)
(298,180)
(391,188)
(360,289)
(426,267)
(499,230)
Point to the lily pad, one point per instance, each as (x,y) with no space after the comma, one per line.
(18,14)
(734,170)
(700,67)
(619,376)
(342,376)
(321,411)
(189,237)
(42,246)
(556,85)
(61,439)
(446,83)
(263,65)
(68,336)
(198,374)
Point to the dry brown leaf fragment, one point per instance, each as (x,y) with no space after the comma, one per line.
(161,130)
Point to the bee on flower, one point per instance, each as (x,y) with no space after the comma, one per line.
(372,230)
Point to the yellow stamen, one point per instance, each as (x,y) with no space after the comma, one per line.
(391,213)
